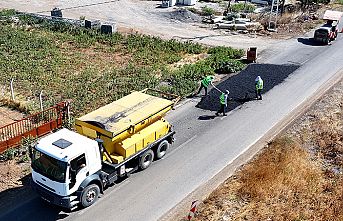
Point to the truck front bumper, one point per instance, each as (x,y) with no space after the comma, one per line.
(50,197)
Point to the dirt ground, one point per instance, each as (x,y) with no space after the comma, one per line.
(143,17)
(8,116)
(298,176)
(11,174)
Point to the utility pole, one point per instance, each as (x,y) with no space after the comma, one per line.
(274,10)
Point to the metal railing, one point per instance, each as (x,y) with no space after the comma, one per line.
(35,125)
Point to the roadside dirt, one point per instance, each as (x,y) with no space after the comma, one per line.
(11,174)
(298,176)
(8,116)
(147,17)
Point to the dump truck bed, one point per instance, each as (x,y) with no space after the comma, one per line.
(128,111)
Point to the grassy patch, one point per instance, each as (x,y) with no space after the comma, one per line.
(242,7)
(94,69)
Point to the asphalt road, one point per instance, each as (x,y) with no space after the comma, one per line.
(203,146)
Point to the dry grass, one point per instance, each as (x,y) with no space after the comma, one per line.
(15,104)
(282,183)
(296,177)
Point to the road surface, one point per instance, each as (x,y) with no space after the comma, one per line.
(203,147)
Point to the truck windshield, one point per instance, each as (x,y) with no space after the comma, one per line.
(50,167)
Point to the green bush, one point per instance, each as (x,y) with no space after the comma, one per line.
(231,66)
(9,154)
(207,11)
(242,7)
(7,12)
(185,80)
(230,52)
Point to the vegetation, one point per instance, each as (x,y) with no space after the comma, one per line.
(21,153)
(207,11)
(242,7)
(282,183)
(92,69)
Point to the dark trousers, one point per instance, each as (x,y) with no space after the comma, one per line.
(222,109)
(201,87)
(258,94)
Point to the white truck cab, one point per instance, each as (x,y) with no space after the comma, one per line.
(61,162)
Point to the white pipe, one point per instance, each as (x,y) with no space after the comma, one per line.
(12,91)
(41,100)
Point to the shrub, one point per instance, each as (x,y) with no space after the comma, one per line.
(207,11)
(242,7)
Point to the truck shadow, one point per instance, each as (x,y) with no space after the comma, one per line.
(309,41)
(22,203)
(242,85)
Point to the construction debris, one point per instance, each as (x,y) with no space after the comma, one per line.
(183,15)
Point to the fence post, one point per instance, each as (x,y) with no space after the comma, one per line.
(68,113)
(41,100)
(12,91)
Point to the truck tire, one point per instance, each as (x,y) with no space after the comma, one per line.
(162,148)
(90,195)
(146,159)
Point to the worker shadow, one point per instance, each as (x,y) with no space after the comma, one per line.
(309,41)
(206,117)
(242,85)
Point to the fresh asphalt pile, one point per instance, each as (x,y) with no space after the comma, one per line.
(183,15)
(242,85)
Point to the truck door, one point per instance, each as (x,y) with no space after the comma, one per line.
(78,171)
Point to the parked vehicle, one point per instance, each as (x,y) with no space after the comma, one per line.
(72,168)
(326,33)
(329,31)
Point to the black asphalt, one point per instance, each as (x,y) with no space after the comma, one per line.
(242,85)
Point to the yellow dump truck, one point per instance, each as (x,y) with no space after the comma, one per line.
(72,168)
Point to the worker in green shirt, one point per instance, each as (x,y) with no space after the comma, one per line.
(223,102)
(258,87)
(205,83)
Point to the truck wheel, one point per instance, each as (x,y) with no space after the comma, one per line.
(162,149)
(146,159)
(90,195)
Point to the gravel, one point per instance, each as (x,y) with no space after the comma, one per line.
(183,15)
(242,85)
